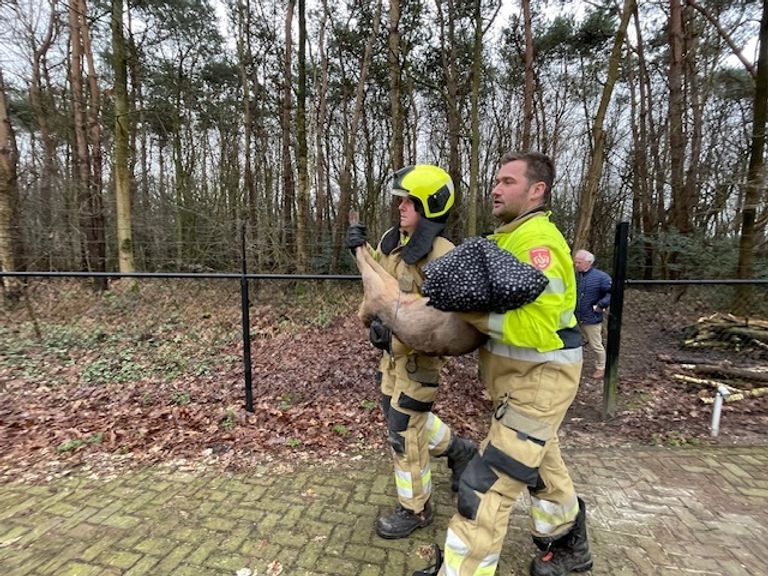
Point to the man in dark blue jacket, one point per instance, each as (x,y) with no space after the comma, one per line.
(593,296)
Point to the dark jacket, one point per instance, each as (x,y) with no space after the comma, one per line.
(592,287)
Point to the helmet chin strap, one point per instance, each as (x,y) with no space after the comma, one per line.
(421,240)
(419,244)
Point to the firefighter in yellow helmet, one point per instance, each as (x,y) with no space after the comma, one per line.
(408,379)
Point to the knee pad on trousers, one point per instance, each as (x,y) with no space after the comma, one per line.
(397,441)
(478,477)
(409,403)
(539,487)
(397,422)
(511,466)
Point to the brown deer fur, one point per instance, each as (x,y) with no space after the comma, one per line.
(416,324)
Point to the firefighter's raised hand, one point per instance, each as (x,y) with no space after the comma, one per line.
(356,236)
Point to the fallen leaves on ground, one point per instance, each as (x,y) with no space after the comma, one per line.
(119,384)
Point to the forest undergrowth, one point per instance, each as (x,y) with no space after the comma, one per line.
(154,373)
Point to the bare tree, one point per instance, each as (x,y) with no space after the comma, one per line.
(529,89)
(41,108)
(395,77)
(88,140)
(750,226)
(345,176)
(122,130)
(286,215)
(302,160)
(451,82)
(9,238)
(681,208)
(474,154)
(597,156)
(245,62)
(323,217)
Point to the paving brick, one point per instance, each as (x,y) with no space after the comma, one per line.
(119,559)
(175,557)
(144,567)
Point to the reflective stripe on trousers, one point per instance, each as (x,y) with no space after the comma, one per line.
(404,482)
(436,430)
(455,552)
(548,516)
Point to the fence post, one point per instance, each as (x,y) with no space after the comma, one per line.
(246,317)
(611,381)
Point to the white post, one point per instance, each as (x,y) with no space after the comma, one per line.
(722,392)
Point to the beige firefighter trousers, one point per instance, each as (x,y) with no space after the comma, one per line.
(410,382)
(521,451)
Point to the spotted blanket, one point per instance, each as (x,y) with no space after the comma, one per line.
(478,276)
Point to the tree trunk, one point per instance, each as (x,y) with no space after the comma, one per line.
(680,208)
(395,75)
(474,153)
(525,144)
(452,113)
(10,246)
(756,171)
(93,118)
(323,218)
(589,191)
(91,220)
(641,145)
(245,61)
(41,112)
(693,72)
(286,216)
(122,130)
(302,199)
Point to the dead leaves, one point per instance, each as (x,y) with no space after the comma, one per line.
(314,394)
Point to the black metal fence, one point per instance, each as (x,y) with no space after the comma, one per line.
(615,317)
(245,301)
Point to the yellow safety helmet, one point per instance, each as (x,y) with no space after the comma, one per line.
(430,187)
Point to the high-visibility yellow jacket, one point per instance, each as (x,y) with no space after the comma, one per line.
(542,333)
(534,239)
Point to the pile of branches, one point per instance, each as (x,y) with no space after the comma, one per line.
(733,382)
(729,332)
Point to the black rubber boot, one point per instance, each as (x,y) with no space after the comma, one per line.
(435,568)
(569,553)
(459,454)
(402,522)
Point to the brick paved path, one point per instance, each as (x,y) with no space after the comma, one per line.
(652,512)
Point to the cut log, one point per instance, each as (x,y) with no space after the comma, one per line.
(754,393)
(746,375)
(733,395)
(704,382)
(416,324)
(729,332)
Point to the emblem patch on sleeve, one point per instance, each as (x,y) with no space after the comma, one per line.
(541,258)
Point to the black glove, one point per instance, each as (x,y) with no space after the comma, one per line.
(379,335)
(356,236)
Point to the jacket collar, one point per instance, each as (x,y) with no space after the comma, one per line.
(523,218)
